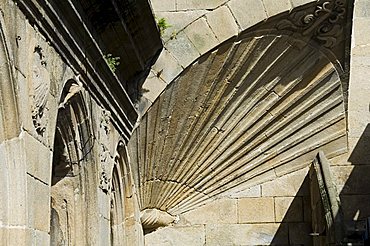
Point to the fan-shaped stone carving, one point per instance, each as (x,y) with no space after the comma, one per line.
(246,113)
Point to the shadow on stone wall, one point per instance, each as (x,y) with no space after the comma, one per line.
(295,227)
(355,195)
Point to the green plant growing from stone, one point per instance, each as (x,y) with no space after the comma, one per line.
(112,62)
(162,25)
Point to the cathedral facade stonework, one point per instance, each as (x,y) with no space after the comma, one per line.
(233,123)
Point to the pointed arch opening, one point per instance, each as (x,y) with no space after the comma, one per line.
(71,171)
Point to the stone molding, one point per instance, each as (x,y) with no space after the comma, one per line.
(78,47)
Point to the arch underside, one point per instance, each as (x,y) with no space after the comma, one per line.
(243,114)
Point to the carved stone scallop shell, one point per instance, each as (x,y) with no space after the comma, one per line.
(244,114)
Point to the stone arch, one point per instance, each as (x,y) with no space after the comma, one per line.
(125,218)
(73,174)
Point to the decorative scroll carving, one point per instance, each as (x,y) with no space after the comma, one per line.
(324,22)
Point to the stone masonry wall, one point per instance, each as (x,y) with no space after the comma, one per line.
(36,75)
(273,213)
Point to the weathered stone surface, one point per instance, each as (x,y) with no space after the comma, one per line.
(177,21)
(15,181)
(360,38)
(181,236)
(201,35)
(41,238)
(289,209)
(182,49)
(256,210)
(39,158)
(222,211)
(152,87)
(167,67)
(222,23)
(254,191)
(296,3)
(276,7)
(247,234)
(239,8)
(287,185)
(362,8)
(38,204)
(195,4)
(163,5)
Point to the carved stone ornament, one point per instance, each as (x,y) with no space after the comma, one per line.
(41,86)
(154,218)
(324,23)
(105,175)
(105,121)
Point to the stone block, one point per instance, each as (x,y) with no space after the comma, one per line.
(299,234)
(16,181)
(182,49)
(362,8)
(222,211)
(41,238)
(296,3)
(274,7)
(247,13)
(196,4)
(254,191)
(163,5)
(167,67)
(153,87)
(38,204)
(289,209)
(222,23)
(179,236)
(39,158)
(361,37)
(201,35)
(341,160)
(17,236)
(254,210)
(287,185)
(247,234)
(177,21)
(352,179)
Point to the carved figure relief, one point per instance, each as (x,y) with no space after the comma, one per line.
(106,163)
(40,81)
